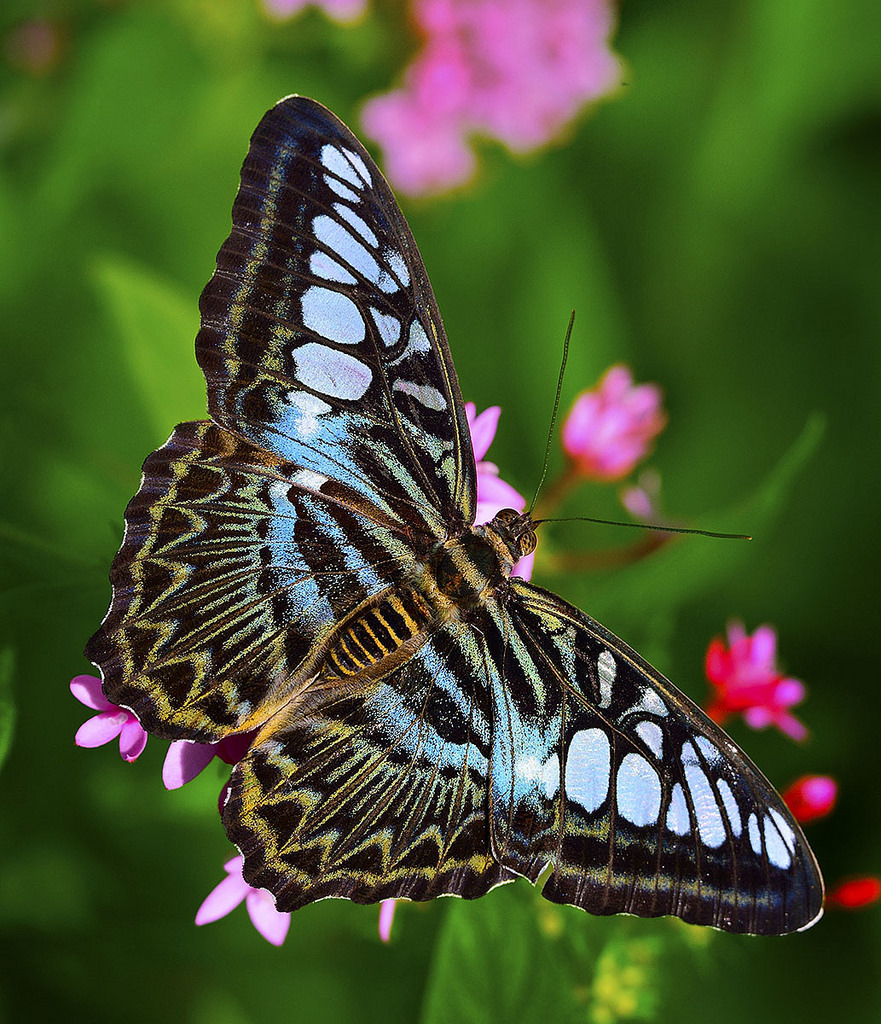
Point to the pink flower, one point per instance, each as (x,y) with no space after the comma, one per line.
(386,916)
(611,428)
(185,760)
(271,923)
(747,681)
(515,70)
(493,493)
(811,797)
(340,10)
(855,893)
(110,722)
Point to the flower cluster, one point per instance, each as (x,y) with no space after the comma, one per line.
(514,70)
(746,681)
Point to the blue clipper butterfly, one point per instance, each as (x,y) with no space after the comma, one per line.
(304,564)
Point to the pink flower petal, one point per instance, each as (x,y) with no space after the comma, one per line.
(223,899)
(132,740)
(101,728)
(483,428)
(386,916)
(87,690)
(184,761)
(272,924)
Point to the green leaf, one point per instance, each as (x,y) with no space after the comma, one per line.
(156,323)
(7,705)
(493,965)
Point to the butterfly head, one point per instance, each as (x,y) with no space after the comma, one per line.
(516,530)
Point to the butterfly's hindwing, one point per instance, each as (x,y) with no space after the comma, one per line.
(374,789)
(321,340)
(235,569)
(639,802)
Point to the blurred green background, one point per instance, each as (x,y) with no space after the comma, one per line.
(715,224)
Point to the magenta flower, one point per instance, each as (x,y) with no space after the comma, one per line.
(811,797)
(185,760)
(515,70)
(110,722)
(339,10)
(611,428)
(271,923)
(747,681)
(493,493)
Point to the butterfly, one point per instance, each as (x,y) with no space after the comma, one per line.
(304,565)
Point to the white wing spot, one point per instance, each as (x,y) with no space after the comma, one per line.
(359,165)
(709,750)
(334,161)
(332,315)
(417,342)
(778,851)
(639,790)
(651,735)
(322,265)
(343,191)
(678,818)
(706,810)
(425,394)
(731,809)
(345,245)
(755,836)
(607,670)
(389,327)
(308,478)
(399,267)
(784,828)
(336,374)
(650,702)
(588,766)
(307,409)
(352,218)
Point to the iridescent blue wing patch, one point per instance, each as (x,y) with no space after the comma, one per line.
(639,803)
(321,340)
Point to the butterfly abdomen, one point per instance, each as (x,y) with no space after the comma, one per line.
(376,638)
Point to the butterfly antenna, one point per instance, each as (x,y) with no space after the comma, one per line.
(544,468)
(646,526)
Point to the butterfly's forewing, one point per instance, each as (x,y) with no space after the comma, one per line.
(374,790)
(639,802)
(321,340)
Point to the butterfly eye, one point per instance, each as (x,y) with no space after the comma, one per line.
(528,542)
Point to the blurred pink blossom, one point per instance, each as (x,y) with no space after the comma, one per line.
(747,681)
(386,916)
(515,70)
(611,428)
(271,923)
(110,722)
(493,493)
(340,10)
(811,797)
